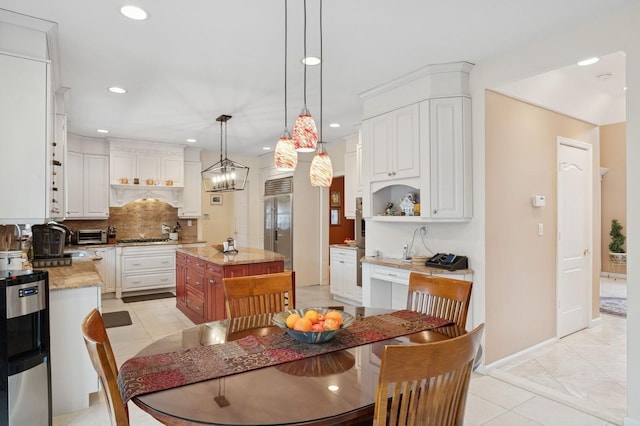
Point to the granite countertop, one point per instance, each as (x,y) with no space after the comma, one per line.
(81,273)
(417,267)
(157,243)
(245,255)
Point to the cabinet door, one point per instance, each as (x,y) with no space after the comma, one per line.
(192,193)
(450,154)
(336,271)
(377,137)
(215,309)
(147,167)
(350,182)
(75,184)
(23,126)
(96,186)
(173,168)
(181,277)
(122,165)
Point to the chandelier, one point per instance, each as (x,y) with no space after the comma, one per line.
(225,175)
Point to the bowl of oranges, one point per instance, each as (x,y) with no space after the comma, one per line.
(313,325)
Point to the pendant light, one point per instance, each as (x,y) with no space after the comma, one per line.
(305,134)
(285,157)
(225,175)
(321,172)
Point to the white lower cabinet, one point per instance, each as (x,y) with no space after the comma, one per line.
(145,268)
(72,375)
(345,273)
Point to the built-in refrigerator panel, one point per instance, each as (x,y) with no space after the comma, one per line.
(278,226)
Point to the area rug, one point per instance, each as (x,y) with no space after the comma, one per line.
(614,306)
(143,297)
(116,319)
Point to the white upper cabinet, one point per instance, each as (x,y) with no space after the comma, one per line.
(450,189)
(87,179)
(192,194)
(416,139)
(352,174)
(393,144)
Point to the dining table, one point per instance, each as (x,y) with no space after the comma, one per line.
(333,388)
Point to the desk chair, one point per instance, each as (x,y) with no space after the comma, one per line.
(426,384)
(101,354)
(441,297)
(259,294)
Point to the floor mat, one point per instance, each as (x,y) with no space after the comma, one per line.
(116,319)
(614,306)
(143,297)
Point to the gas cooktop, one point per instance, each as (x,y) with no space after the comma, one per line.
(142,240)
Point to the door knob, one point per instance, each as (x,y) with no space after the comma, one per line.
(586,252)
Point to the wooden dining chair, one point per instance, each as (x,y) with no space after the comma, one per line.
(104,362)
(426,384)
(259,294)
(441,297)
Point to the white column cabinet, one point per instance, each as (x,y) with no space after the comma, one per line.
(192,195)
(87,186)
(344,273)
(352,174)
(105,261)
(450,176)
(393,144)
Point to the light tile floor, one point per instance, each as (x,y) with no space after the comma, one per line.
(491,402)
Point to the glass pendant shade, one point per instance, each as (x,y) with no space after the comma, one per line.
(321,172)
(285,157)
(305,134)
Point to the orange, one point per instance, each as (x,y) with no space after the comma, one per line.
(312,315)
(331,324)
(291,320)
(302,324)
(334,315)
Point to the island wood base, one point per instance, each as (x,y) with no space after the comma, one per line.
(199,291)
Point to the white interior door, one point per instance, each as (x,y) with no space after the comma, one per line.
(574,277)
(241,217)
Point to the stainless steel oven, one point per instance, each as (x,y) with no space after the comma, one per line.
(25,372)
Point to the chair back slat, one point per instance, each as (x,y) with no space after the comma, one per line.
(441,297)
(104,362)
(259,294)
(426,384)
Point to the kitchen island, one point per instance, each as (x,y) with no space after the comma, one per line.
(199,275)
(74,291)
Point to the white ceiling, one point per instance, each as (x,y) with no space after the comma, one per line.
(194,60)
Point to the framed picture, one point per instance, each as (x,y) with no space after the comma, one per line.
(335,198)
(216,199)
(335,216)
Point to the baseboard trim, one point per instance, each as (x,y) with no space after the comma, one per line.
(531,349)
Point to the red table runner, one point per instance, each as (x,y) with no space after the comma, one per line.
(145,374)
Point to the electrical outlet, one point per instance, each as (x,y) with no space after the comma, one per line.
(189,223)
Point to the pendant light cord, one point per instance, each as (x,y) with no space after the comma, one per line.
(321,62)
(305,53)
(286,26)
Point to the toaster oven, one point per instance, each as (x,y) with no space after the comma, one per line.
(91,236)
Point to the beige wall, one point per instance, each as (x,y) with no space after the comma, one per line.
(613,156)
(521,144)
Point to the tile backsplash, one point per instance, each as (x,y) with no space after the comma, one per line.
(140,219)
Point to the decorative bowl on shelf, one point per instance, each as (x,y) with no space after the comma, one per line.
(350,243)
(280,318)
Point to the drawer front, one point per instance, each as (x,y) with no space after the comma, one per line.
(195,281)
(147,281)
(195,263)
(195,302)
(397,275)
(142,263)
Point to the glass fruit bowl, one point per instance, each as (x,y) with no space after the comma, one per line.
(280,319)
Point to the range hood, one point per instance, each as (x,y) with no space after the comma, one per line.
(145,170)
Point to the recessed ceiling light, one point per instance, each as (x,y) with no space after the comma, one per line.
(118,90)
(133,12)
(191,140)
(266,148)
(589,61)
(334,125)
(333,388)
(310,60)
(102,131)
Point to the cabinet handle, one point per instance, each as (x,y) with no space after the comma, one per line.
(136,264)
(435,211)
(212,281)
(135,282)
(165,279)
(392,275)
(165,262)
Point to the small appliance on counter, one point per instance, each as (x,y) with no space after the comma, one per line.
(91,236)
(48,243)
(449,262)
(229,246)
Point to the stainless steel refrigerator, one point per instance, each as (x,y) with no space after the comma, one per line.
(278,218)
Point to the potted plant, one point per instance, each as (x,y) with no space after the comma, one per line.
(616,252)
